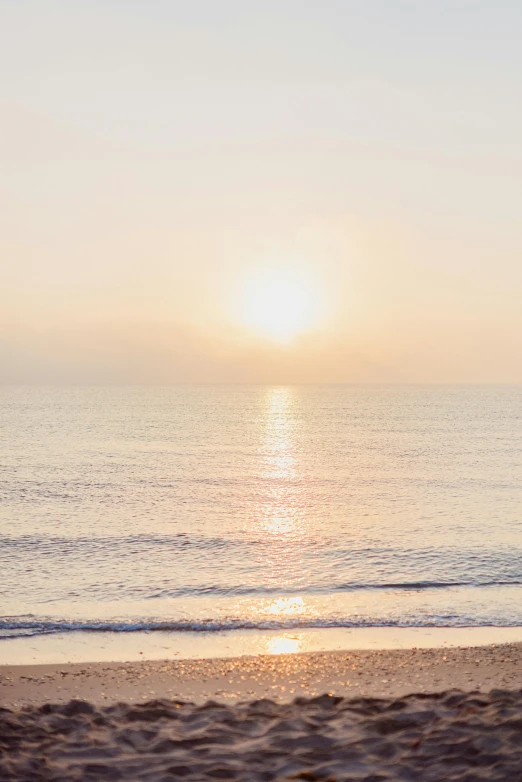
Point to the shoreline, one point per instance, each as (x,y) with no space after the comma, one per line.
(370,673)
(102,646)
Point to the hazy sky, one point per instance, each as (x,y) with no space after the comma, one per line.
(158,156)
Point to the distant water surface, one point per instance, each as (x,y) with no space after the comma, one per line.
(208,508)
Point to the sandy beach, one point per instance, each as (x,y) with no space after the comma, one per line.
(370,673)
(426,714)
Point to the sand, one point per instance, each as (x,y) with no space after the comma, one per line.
(371,673)
(452,736)
(335,715)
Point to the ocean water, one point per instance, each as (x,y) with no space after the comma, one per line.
(215,508)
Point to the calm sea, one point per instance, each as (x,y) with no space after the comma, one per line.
(259,507)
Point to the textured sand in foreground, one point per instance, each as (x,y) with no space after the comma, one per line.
(452,736)
(368,728)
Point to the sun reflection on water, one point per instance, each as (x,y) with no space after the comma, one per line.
(286,606)
(281,509)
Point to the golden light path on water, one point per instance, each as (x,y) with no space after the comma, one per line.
(281,514)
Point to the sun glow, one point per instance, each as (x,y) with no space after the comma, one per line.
(279,303)
(284,644)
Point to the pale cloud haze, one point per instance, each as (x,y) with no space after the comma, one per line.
(154,154)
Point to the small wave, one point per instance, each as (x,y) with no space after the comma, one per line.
(24,628)
(180,540)
(220,590)
(419,585)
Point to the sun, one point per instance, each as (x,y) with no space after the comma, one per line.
(279,303)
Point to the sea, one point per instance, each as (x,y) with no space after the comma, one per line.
(208,509)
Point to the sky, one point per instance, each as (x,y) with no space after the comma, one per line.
(267,191)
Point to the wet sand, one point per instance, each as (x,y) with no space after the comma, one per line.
(83,647)
(273,720)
